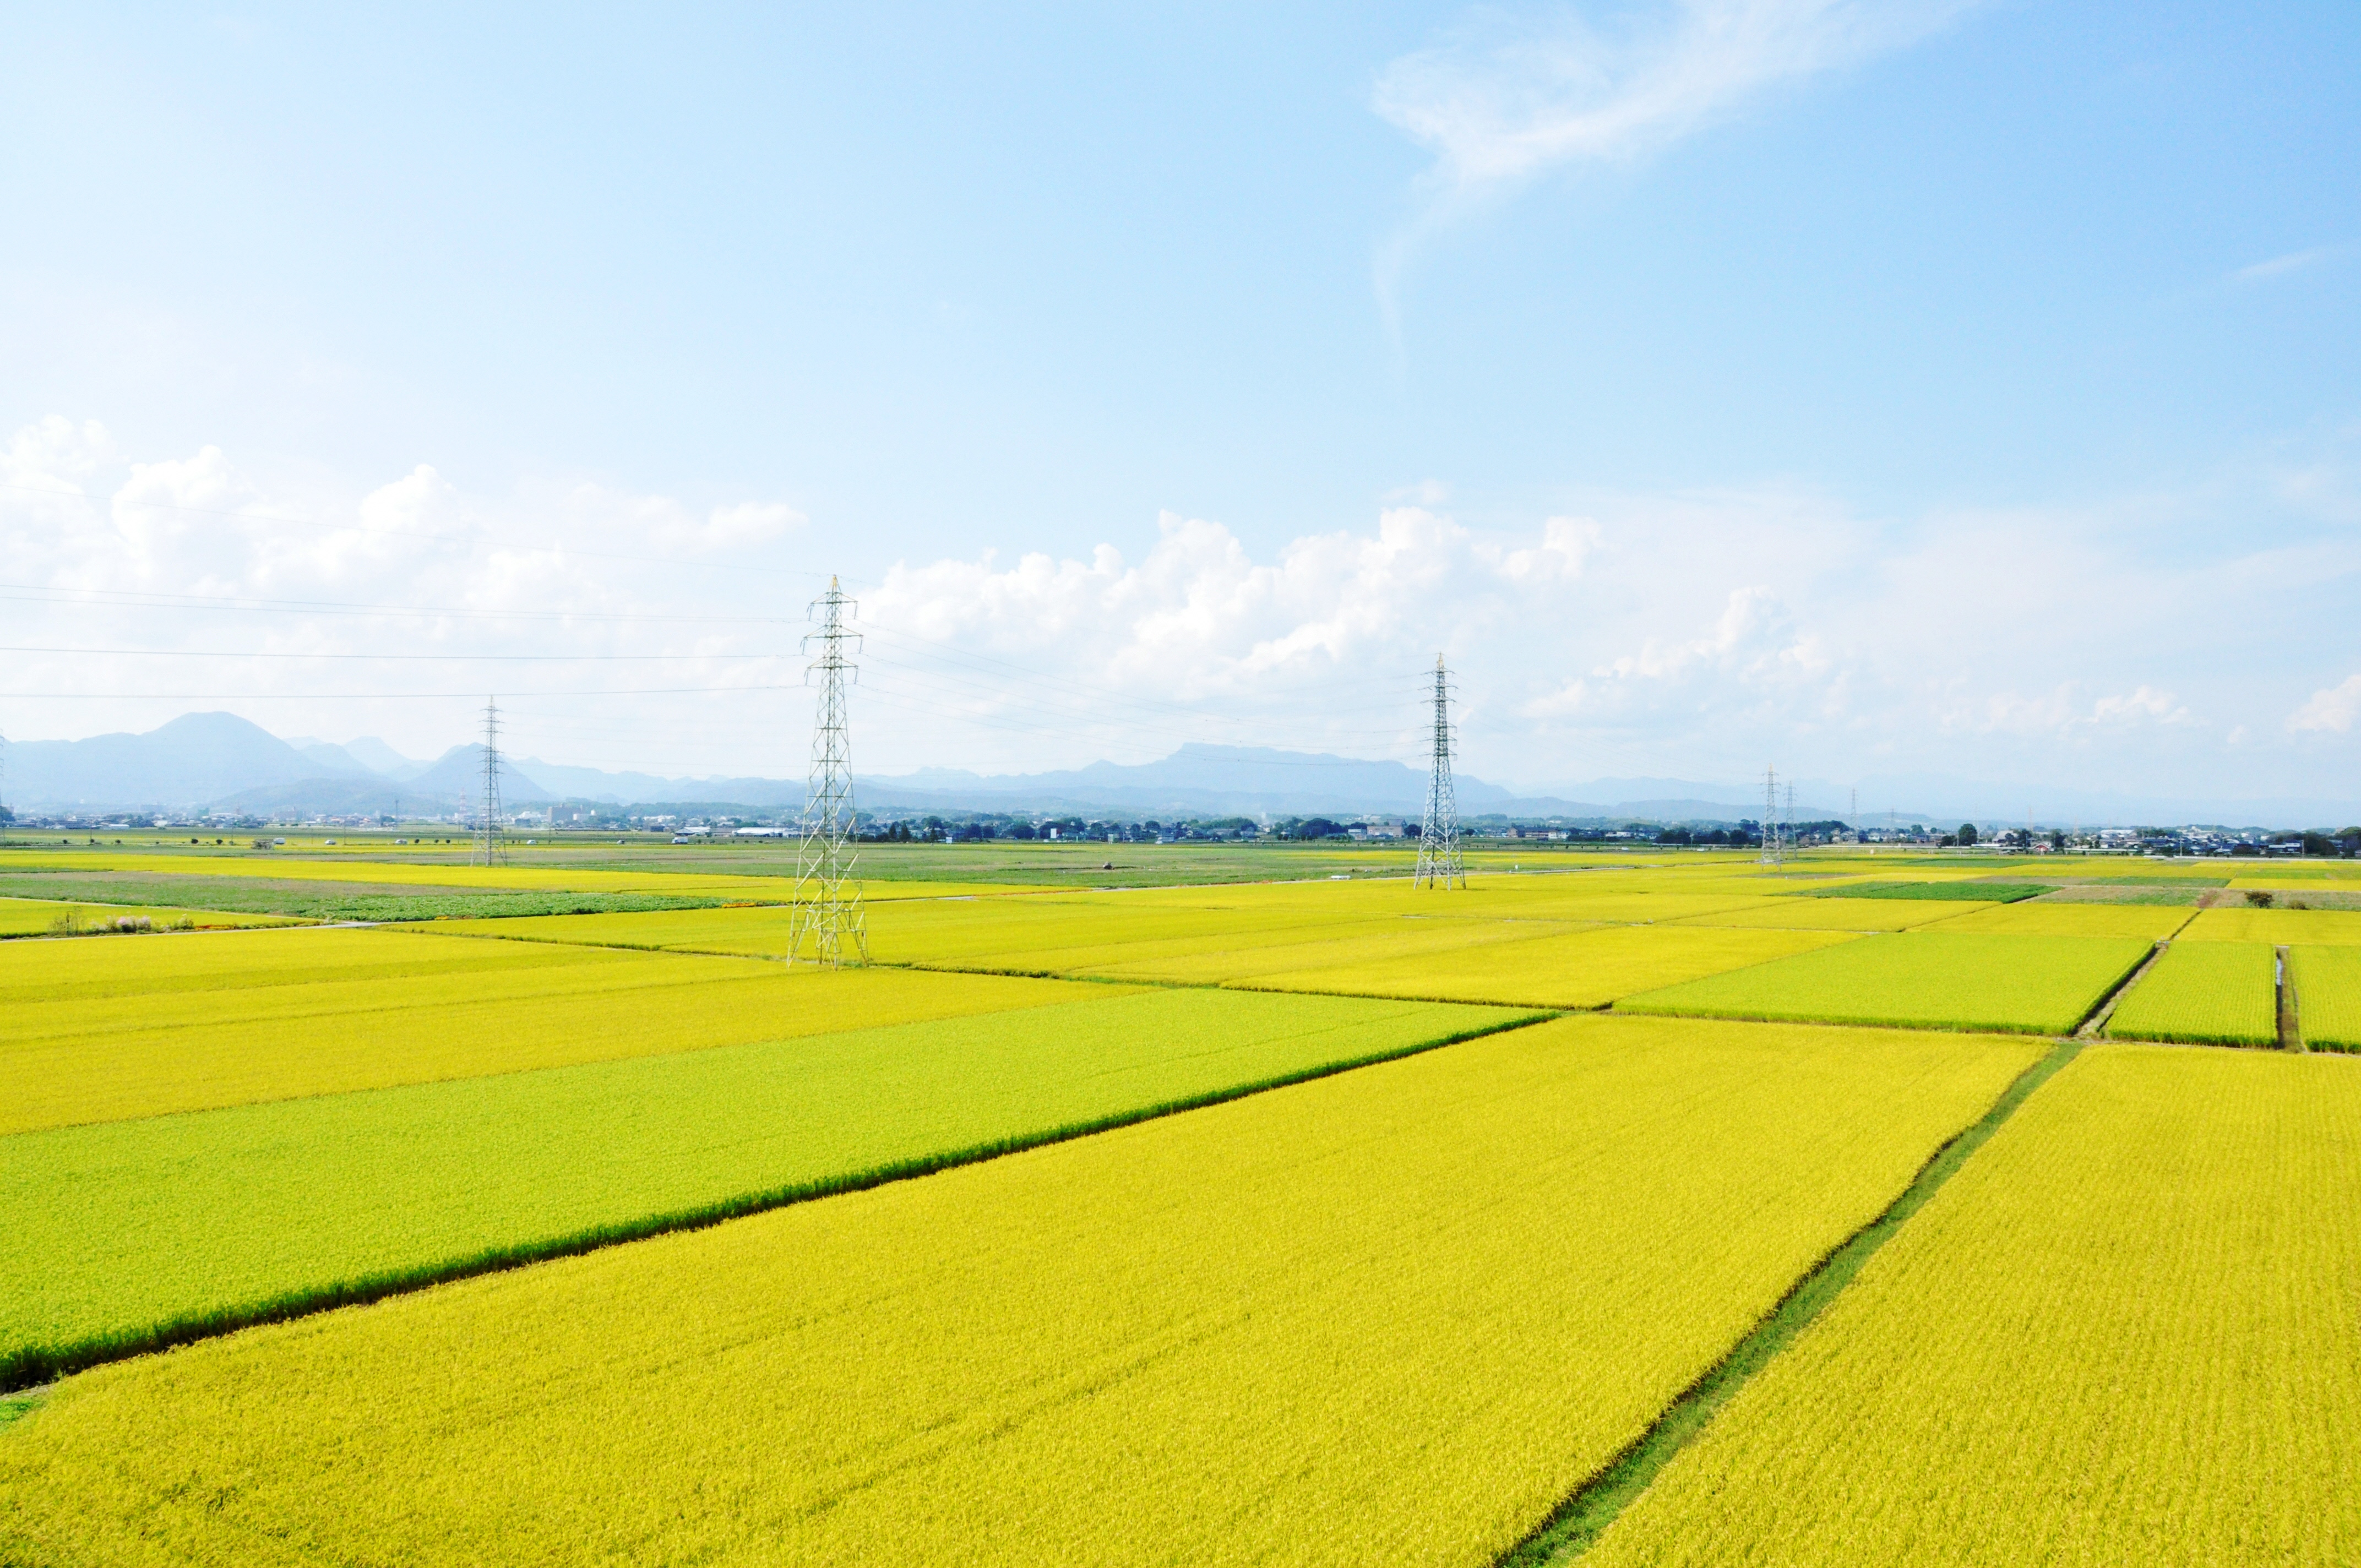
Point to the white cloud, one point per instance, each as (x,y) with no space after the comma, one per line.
(1497,112)
(1690,635)
(2332,710)
(2293,261)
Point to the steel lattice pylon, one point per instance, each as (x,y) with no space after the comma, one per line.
(488,837)
(1438,836)
(827,912)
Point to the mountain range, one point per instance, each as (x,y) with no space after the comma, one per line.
(220,761)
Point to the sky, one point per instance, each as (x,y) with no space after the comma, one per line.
(1870,389)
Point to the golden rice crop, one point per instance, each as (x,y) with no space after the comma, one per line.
(1391,1316)
(1919,979)
(2313,928)
(2328,996)
(2221,994)
(103,1030)
(41,917)
(126,1233)
(2124,1333)
(2149,922)
(1586,969)
(1837,914)
(412,874)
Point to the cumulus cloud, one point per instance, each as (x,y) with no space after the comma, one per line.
(2330,711)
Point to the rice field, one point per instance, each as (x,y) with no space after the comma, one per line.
(2151,923)
(1252,1221)
(1923,980)
(2312,927)
(2328,996)
(1304,1327)
(2125,1332)
(55,918)
(1580,969)
(104,1030)
(127,1229)
(2220,993)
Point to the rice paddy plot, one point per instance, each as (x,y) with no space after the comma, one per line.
(443,874)
(129,1233)
(105,1030)
(1837,913)
(2328,996)
(1390,1316)
(1586,969)
(1927,979)
(1976,891)
(2151,923)
(2217,993)
(47,917)
(2124,1333)
(2312,927)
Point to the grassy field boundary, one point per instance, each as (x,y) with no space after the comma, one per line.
(29,1365)
(1584,1516)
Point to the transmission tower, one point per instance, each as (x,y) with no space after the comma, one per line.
(1438,836)
(1771,848)
(487,842)
(827,912)
(1788,821)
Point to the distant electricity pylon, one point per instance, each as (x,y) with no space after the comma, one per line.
(488,841)
(827,912)
(1771,847)
(1438,836)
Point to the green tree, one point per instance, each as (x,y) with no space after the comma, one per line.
(1967,834)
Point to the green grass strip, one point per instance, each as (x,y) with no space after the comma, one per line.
(15,1407)
(1577,1522)
(1945,892)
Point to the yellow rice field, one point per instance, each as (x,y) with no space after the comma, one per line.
(2148,921)
(108,1029)
(2315,928)
(2127,1333)
(1273,1331)
(41,917)
(1584,968)
(1840,914)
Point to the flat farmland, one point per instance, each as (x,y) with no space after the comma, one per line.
(1837,913)
(2328,996)
(1918,980)
(139,1232)
(44,917)
(2312,927)
(1580,969)
(1273,1330)
(2125,1332)
(116,1027)
(2151,923)
(2217,993)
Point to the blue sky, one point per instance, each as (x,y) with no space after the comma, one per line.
(1875,390)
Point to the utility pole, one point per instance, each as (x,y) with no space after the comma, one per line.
(1438,836)
(1788,821)
(489,842)
(828,915)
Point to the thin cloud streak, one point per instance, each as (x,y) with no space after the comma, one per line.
(1501,110)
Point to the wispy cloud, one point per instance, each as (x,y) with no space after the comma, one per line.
(2293,261)
(1498,110)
